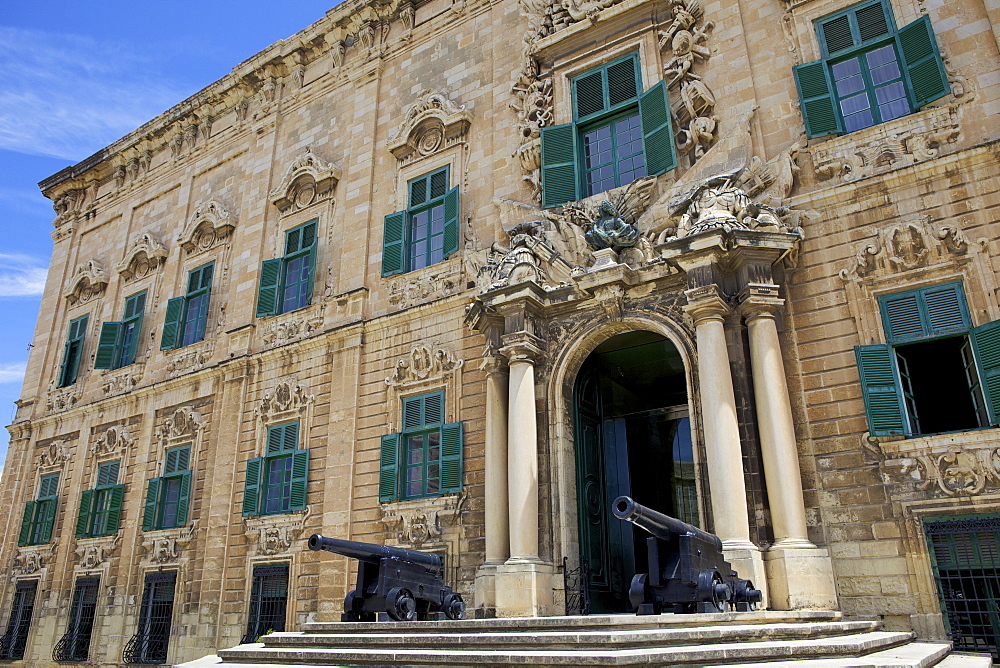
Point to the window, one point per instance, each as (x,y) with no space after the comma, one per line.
(427,232)
(40,514)
(618,134)
(187,316)
(149,644)
(276,482)
(120,340)
(870,72)
(268,600)
(425,459)
(75,643)
(937,373)
(286,283)
(13,642)
(168,497)
(101,507)
(73,351)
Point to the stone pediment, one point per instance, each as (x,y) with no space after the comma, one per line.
(145,256)
(431,123)
(89,281)
(307,180)
(210,224)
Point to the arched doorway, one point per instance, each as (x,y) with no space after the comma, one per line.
(632,436)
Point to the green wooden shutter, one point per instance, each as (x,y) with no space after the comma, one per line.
(290,439)
(83,516)
(945,309)
(922,64)
(388,479)
(438,183)
(128,356)
(451,222)
(883,398)
(451,457)
(149,511)
(49,509)
(300,479)
(107,344)
(66,362)
(116,495)
(418,191)
(623,82)
(588,94)
(657,133)
(267,291)
(872,22)
(77,334)
(986,346)
(172,323)
(184,499)
(393,243)
(27,520)
(559,177)
(836,34)
(901,317)
(819,109)
(251,489)
(311,280)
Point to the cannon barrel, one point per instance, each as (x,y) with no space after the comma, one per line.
(660,525)
(372,553)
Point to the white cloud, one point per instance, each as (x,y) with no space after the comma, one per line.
(67,96)
(12,373)
(21,276)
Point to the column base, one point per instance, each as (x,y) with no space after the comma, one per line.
(524,590)
(748,562)
(800,578)
(485,599)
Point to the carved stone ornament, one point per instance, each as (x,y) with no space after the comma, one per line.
(611,223)
(118,382)
(275,534)
(211,224)
(431,123)
(546,17)
(53,455)
(422,363)
(422,521)
(145,256)
(405,291)
(525,259)
(68,205)
(533,106)
(94,553)
(955,472)
(31,560)
(164,547)
(192,358)
(60,399)
(112,441)
(182,423)
(89,281)
(283,329)
(307,180)
(287,396)
(906,245)
(898,143)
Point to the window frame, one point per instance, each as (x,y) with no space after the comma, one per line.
(180,315)
(259,580)
(398,239)
(118,345)
(22,609)
(151,627)
(271,298)
(74,646)
(282,443)
(69,370)
(38,519)
(100,507)
(177,471)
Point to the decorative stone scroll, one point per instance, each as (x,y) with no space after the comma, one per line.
(423,363)
(165,546)
(426,367)
(285,328)
(184,423)
(68,205)
(89,282)
(210,225)
(60,399)
(112,441)
(95,553)
(968,468)
(546,17)
(275,534)
(421,522)
(53,455)
(192,358)
(307,180)
(145,256)
(288,396)
(533,105)
(433,122)
(406,291)
(118,382)
(33,559)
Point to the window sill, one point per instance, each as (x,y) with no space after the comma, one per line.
(953,463)
(123,379)
(31,559)
(274,534)
(291,326)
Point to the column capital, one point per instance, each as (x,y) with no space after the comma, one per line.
(706,303)
(522,347)
(493,362)
(760,300)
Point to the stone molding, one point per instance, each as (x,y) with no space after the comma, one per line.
(423,363)
(287,327)
(165,546)
(432,123)
(112,441)
(190,358)
(144,257)
(309,179)
(183,423)
(420,522)
(33,559)
(89,281)
(287,397)
(953,465)
(707,302)
(64,398)
(210,225)
(95,553)
(434,282)
(53,455)
(275,534)
(121,381)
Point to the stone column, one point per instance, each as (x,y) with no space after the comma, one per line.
(723,451)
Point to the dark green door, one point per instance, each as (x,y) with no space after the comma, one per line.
(632,438)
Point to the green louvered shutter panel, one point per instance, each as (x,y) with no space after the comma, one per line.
(623,82)
(657,134)
(901,316)
(438,183)
(267,291)
(184,499)
(451,457)
(836,34)
(819,109)
(451,222)
(922,63)
(393,242)
(63,377)
(388,478)
(312,274)
(559,179)
(172,323)
(883,398)
(107,344)
(47,522)
(986,346)
(26,522)
(149,511)
(251,488)
(872,22)
(117,494)
(588,95)
(77,333)
(946,310)
(300,479)
(83,517)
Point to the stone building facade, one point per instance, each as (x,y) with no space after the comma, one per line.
(368,285)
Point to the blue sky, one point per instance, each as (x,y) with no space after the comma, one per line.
(76,75)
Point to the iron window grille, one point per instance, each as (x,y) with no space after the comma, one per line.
(73,352)
(268,601)
(14,641)
(168,498)
(119,341)
(187,316)
(151,640)
(286,283)
(40,515)
(75,643)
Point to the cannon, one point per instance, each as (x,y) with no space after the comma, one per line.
(687,570)
(404,584)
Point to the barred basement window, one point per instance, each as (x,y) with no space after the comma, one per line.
(73,352)
(149,644)
(268,601)
(870,72)
(618,134)
(187,316)
(101,507)
(40,514)
(168,497)
(120,340)
(75,644)
(427,231)
(13,642)
(937,373)
(286,283)
(276,483)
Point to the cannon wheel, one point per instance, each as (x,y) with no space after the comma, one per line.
(453,606)
(353,611)
(713,592)
(400,605)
